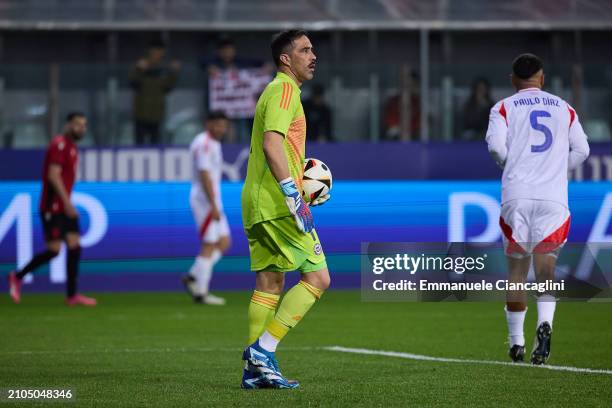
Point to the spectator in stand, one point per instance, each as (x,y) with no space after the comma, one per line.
(152,79)
(393,114)
(226,60)
(475,112)
(318,116)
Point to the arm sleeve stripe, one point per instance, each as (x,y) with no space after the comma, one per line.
(282,102)
(290,96)
(572,115)
(502,111)
(287,94)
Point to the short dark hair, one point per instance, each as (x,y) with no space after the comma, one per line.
(281,42)
(526,65)
(216,115)
(74,114)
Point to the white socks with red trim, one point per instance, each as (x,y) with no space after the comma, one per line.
(516,321)
(202,270)
(204,274)
(216,255)
(546,309)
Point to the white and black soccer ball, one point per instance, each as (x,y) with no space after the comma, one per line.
(317,180)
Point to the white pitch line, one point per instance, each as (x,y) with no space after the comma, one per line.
(410,356)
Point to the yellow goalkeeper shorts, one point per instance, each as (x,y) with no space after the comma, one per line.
(278,246)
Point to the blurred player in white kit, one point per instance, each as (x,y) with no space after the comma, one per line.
(207,208)
(536,138)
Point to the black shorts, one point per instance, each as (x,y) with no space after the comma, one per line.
(56,226)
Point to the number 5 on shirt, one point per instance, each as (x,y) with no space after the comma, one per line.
(548,137)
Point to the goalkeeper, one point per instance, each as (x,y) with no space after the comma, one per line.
(277,221)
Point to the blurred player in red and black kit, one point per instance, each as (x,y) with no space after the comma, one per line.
(59,217)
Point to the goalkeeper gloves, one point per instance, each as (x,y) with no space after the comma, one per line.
(296,204)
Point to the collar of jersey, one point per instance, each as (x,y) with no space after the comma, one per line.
(208,137)
(530,89)
(67,139)
(286,78)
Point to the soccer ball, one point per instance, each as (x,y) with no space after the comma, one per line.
(317,180)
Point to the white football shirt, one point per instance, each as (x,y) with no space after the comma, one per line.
(207,156)
(535,137)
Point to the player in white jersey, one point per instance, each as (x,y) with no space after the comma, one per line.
(536,138)
(207,208)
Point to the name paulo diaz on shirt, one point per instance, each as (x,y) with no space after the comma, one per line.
(536,100)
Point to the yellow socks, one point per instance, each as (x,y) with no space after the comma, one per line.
(296,303)
(261,312)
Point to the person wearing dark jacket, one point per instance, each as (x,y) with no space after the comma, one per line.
(476,110)
(151,80)
(318,116)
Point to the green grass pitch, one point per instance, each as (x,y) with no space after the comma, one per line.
(159,349)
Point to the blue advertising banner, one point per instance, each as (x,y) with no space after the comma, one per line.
(349,161)
(141,236)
